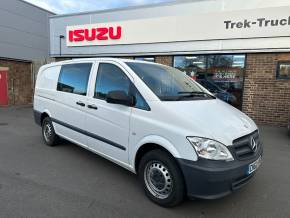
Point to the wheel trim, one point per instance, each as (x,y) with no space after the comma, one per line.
(158,180)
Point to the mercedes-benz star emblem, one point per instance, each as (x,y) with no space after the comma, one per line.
(254,145)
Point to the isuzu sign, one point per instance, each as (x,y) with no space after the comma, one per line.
(96,33)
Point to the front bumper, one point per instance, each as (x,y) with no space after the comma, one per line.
(208,179)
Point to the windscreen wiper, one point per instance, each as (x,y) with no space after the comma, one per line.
(196,93)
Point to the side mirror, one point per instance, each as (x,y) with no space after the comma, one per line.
(119,97)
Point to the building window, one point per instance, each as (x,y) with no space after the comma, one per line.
(149,59)
(191,65)
(222,75)
(73,78)
(283,70)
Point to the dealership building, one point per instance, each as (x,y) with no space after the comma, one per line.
(238,50)
(24,38)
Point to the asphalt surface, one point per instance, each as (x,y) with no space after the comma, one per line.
(68,181)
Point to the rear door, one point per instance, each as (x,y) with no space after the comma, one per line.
(108,124)
(70,103)
(3,86)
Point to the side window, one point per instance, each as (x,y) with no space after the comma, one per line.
(73,78)
(48,78)
(110,78)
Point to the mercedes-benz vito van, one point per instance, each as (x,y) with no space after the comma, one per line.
(152,120)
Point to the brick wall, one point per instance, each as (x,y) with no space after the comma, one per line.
(266,99)
(19,82)
(166,60)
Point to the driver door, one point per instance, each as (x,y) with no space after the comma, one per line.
(108,125)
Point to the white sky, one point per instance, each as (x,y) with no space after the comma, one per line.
(73,6)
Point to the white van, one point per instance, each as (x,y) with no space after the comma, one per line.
(152,120)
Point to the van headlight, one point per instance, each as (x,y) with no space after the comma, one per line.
(210,149)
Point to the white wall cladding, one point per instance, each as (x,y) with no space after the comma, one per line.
(24,31)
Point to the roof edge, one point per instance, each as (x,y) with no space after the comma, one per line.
(43,9)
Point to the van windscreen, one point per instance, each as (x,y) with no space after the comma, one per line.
(168,83)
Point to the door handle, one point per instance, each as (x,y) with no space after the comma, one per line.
(80,103)
(92,106)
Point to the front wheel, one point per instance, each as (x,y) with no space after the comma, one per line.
(161,178)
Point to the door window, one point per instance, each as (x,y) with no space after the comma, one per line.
(73,78)
(112,78)
(140,102)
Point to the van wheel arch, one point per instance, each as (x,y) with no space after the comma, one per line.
(145,149)
(43,116)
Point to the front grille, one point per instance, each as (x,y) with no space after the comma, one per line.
(243,146)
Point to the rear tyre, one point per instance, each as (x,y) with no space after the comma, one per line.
(49,136)
(161,178)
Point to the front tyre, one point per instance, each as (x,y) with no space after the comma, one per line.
(161,178)
(49,136)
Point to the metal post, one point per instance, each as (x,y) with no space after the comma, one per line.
(60,38)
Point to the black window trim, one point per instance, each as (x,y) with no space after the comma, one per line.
(72,63)
(278,77)
(131,86)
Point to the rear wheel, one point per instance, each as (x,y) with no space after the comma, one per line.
(161,178)
(49,136)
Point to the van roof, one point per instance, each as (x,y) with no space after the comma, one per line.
(98,59)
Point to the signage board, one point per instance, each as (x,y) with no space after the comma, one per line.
(255,23)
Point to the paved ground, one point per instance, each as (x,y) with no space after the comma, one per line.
(68,181)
